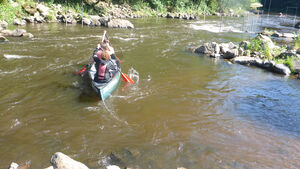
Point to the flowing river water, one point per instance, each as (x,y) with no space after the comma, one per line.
(184,109)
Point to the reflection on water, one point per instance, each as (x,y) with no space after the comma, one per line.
(184,110)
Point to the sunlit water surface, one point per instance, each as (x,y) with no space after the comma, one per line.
(184,110)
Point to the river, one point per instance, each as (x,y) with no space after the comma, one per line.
(184,110)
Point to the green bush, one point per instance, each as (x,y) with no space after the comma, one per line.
(8,13)
(255,45)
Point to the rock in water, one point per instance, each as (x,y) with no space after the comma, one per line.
(18,32)
(13,165)
(120,23)
(19,22)
(3,39)
(62,161)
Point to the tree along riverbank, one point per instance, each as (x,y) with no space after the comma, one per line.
(75,11)
(260,51)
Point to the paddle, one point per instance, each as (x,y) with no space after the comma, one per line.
(124,76)
(83,70)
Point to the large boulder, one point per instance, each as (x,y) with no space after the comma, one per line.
(86,21)
(225,47)
(120,23)
(6,32)
(95,20)
(62,161)
(18,32)
(3,24)
(281,69)
(269,65)
(44,10)
(231,53)
(19,22)
(104,21)
(29,8)
(208,48)
(29,19)
(266,41)
(38,18)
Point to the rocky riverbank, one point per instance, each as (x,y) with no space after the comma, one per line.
(104,14)
(62,161)
(260,52)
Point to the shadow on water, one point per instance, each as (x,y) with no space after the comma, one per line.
(277,108)
(271,102)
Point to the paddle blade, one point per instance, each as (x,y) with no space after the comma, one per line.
(126,78)
(81,71)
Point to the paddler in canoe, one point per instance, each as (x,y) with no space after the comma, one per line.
(104,69)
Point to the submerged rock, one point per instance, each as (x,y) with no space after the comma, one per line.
(3,39)
(120,23)
(62,161)
(28,35)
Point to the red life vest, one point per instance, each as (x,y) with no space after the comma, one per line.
(101,71)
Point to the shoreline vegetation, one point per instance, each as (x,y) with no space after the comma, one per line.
(18,9)
(260,52)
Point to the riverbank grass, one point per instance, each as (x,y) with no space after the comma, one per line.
(8,12)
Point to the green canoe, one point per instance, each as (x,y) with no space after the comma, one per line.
(103,90)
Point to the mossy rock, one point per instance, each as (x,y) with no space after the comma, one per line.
(29,8)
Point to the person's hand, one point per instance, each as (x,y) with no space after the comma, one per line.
(98,46)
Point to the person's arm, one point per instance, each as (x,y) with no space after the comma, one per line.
(103,37)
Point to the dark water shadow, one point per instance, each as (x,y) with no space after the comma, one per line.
(272,103)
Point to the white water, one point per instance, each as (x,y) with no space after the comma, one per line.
(7,56)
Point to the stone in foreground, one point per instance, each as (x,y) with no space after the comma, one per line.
(62,161)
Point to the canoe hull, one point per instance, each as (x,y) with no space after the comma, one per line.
(104,90)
